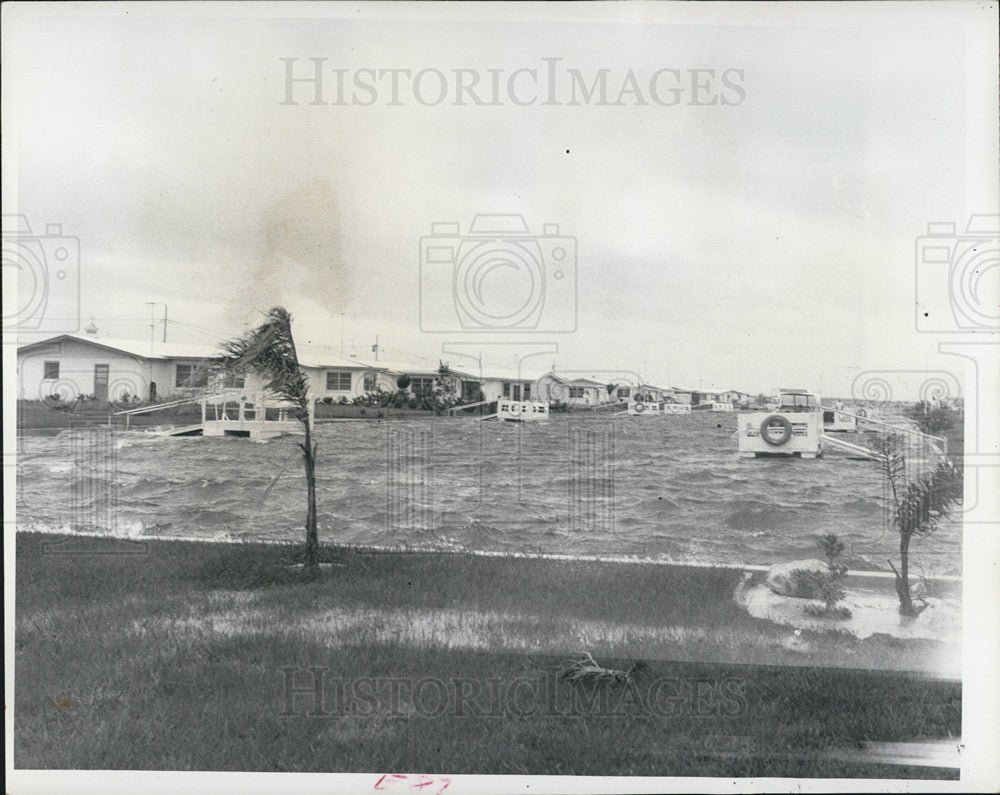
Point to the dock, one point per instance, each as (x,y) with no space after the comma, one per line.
(232,414)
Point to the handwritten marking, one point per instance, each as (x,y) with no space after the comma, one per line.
(412,782)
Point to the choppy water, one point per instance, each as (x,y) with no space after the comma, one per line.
(670,488)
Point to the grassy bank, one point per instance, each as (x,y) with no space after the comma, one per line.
(182,655)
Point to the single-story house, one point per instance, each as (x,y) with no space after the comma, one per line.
(622,392)
(70,365)
(684,395)
(513,383)
(342,377)
(650,392)
(733,396)
(554,388)
(425,377)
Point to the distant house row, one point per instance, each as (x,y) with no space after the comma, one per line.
(71,365)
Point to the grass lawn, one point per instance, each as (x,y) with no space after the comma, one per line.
(195,656)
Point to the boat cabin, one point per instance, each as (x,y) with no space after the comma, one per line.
(795,400)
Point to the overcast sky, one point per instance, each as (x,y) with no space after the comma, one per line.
(764,240)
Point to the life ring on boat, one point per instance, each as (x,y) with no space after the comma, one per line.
(862,413)
(786,430)
(640,408)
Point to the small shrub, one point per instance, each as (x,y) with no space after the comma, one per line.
(808,584)
(823,585)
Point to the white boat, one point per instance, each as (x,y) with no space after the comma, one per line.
(839,420)
(643,407)
(792,426)
(522,411)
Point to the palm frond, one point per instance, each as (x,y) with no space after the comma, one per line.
(269,350)
(929,499)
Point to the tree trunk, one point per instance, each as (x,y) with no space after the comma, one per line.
(903,577)
(312,539)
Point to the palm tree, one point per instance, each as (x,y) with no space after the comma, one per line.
(918,506)
(269,351)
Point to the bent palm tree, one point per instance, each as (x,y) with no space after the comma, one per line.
(918,505)
(269,351)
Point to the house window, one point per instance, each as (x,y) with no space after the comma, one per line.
(370,382)
(527,391)
(188,375)
(421,385)
(624,391)
(506,389)
(235,381)
(51,371)
(576,391)
(338,381)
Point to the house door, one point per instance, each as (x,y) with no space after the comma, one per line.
(101,382)
(152,391)
(517,391)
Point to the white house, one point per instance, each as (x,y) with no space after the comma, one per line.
(552,387)
(70,365)
(339,377)
(513,383)
(733,396)
(425,377)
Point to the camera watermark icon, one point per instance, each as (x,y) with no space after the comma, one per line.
(94,498)
(497,277)
(879,389)
(409,495)
(61,391)
(592,476)
(958,277)
(59,387)
(41,277)
(980,459)
(915,408)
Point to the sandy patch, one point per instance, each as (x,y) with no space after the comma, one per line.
(872,612)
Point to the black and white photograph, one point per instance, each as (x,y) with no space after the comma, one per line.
(500,397)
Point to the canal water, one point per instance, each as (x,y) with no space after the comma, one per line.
(664,487)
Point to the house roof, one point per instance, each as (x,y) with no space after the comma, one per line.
(333,362)
(140,349)
(315,357)
(510,374)
(421,369)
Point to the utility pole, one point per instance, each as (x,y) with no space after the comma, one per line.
(341,335)
(375,347)
(164,322)
(152,321)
